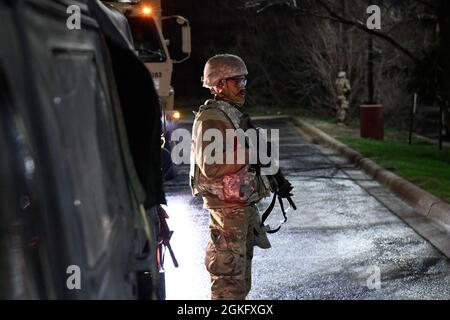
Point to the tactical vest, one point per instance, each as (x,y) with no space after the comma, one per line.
(244,186)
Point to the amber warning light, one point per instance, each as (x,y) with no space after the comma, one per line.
(147,11)
(176,115)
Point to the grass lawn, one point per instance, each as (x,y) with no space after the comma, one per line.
(421,162)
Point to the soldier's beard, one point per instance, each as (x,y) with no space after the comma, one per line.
(237,99)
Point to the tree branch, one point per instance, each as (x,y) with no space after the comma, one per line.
(333,16)
(362,27)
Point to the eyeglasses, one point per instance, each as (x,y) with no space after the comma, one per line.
(239,81)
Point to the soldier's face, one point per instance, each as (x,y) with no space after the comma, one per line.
(233,89)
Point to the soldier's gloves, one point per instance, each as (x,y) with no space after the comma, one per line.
(284,187)
(284,190)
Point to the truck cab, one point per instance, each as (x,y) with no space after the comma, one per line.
(145,20)
(150,44)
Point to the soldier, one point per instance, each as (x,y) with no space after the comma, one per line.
(342,91)
(229,191)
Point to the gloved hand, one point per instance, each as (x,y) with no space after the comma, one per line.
(284,190)
(284,187)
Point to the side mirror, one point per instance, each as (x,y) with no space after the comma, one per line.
(178,31)
(186,39)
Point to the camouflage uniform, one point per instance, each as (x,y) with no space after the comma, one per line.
(342,90)
(233,224)
(229,252)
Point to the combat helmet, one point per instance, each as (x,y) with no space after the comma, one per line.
(222,66)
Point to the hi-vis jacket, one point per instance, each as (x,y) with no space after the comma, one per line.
(224,184)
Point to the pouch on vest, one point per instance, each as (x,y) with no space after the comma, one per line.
(245,186)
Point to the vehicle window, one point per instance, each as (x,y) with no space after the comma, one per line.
(146,39)
(83,117)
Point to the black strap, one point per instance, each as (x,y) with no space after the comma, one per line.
(167,245)
(280,200)
(269,210)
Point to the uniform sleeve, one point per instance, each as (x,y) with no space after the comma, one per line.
(215,170)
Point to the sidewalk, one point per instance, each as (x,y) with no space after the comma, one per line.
(425,205)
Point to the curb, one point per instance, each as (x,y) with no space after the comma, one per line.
(423,202)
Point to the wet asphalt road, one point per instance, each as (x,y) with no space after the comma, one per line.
(333,247)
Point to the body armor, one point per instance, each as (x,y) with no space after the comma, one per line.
(243,186)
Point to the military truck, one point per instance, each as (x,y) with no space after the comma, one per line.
(146,20)
(80,171)
(152,46)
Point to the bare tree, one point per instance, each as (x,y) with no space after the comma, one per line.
(336,37)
